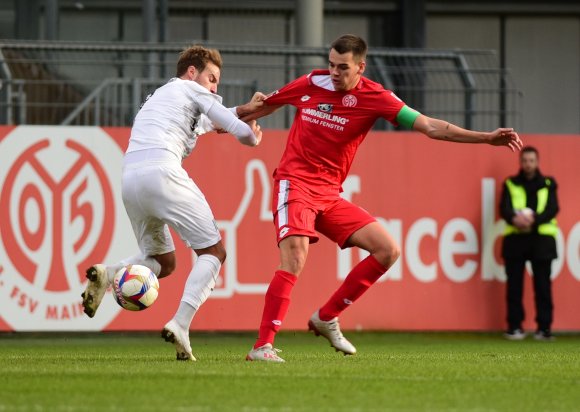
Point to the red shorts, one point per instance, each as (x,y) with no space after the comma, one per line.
(300,211)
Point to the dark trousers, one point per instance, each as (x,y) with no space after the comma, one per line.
(542,292)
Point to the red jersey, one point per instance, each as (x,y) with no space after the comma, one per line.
(329,126)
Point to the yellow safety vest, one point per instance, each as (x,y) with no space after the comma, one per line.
(518,197)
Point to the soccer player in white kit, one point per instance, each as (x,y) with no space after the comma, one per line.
(158,193)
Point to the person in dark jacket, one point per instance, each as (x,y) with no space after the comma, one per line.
(529,204)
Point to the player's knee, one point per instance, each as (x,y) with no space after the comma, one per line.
(167,267)
(293,261)
(218,250)
(394,254)
(293,253)
(387,256)
(222,256)
(294,264)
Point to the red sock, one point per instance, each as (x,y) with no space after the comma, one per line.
(360,278)
(276,305)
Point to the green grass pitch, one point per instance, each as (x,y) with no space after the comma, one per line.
(391,372)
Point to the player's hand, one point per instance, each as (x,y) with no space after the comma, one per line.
(252,106)
(257,131)
(506,137)
(256,102)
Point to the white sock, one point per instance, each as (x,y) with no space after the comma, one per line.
(199,284)
(139,259)
(184,315)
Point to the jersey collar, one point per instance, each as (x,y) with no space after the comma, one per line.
(326,72)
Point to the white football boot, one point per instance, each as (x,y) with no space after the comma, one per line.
(96,288)
(175,334)
(265,353)
(331,331)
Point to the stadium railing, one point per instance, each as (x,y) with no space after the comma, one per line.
(105,83)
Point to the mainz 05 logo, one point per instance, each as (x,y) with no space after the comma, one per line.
(61,212)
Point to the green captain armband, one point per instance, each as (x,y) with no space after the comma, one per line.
(407,117)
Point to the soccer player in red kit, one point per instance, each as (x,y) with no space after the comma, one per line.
(335,110)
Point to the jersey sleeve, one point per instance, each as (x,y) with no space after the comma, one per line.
(205,101)
(290,93)
(394,110)
(222,117)
(219,116)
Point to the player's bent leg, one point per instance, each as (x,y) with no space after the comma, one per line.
(100,276)
(161,265)
(384,252)
(175,334)
(95,289)
(331,330)
(198,287)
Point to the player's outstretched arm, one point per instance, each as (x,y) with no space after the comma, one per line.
(265,110)
(256,108)
(442,130)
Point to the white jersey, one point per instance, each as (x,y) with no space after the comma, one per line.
(173,117)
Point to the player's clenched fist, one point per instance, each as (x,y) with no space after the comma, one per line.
(256,103)
(257,100)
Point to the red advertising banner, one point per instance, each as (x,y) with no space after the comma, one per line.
(61,210)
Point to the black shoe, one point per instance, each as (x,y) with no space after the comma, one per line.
(544,335)
(515,334)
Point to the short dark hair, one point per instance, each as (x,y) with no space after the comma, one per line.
(198,57)
(530,149)
(351,43)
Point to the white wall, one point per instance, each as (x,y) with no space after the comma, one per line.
(543,55)
(451,32)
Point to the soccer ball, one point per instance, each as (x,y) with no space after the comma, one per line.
(135,287)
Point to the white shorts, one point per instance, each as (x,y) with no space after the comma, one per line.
(157,193)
